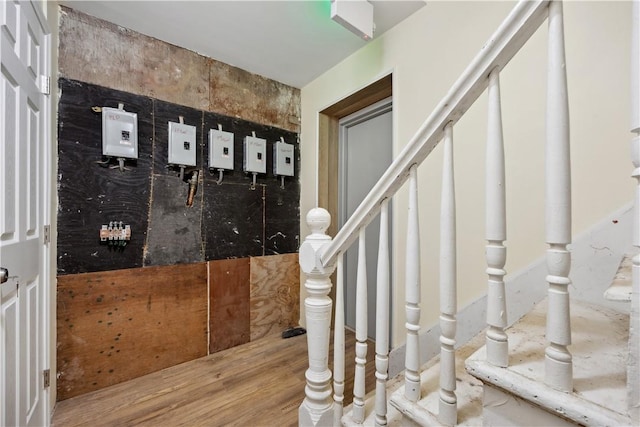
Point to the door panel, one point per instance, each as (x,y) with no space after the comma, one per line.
(9,370)
(23,305)
(8,159)
(365,153)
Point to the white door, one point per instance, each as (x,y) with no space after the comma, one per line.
(365,153)
(24,150)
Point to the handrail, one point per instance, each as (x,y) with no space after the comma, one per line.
(512,34)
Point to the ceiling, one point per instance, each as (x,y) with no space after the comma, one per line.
(291,41)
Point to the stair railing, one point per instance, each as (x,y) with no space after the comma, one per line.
(319,254)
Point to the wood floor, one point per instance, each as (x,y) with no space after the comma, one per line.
(257,384)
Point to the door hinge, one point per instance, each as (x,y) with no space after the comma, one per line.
(45,85)
(46,374)
(47,234)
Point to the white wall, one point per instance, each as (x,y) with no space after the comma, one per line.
(426,53)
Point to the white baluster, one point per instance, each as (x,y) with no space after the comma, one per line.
(448,302)
(382,317)
(412,293)
(635,67)
(338,344)
(317,409)
(496,230)
(633,372)
(558,360)
(361,330)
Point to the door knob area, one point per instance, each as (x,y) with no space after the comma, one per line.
(4,274)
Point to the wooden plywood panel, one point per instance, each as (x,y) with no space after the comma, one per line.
(91,194)
(238,93)
(99,52)
(275,294)
(229,303)
(118,325)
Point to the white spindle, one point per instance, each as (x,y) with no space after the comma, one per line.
(633,372)
(338,344)
(635,67)
(496,230)
(317,408)
(558,360)
(448,302)
(412,293)
(382,317)
(361,330)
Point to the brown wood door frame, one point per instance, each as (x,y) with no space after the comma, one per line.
(328,138)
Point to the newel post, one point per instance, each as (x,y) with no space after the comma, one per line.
(317,407)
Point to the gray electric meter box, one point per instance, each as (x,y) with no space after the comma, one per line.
(220,149)
(283,159)
(255,154)
(182,144)
(119,133)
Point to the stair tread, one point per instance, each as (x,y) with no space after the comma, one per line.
(599,349)
(468,390)
(620,288)
(394,418)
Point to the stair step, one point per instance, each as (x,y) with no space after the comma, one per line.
(620,288)
(599,350)
(468,392)
(394,418)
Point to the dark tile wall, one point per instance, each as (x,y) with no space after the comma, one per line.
(230,220)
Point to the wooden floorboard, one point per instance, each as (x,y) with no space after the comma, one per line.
(260,383)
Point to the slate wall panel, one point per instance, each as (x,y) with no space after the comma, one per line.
(282,217)
(268,207)
(175,232)
(226,221)
(232,220)
(118,325)
(91,195)
(174,235)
